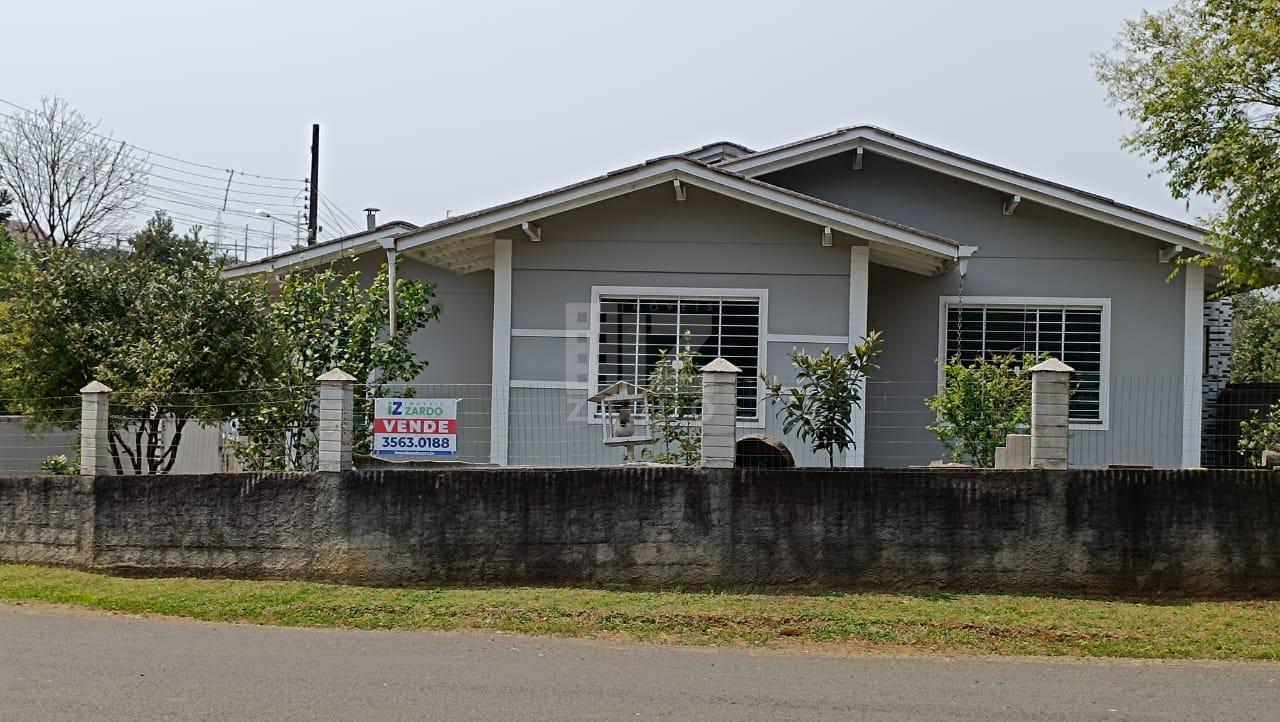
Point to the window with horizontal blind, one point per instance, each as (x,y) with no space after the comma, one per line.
(634,327)
(1073,332)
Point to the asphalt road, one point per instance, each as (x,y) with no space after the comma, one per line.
(68,664)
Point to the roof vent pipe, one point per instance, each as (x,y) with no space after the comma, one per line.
(371,217)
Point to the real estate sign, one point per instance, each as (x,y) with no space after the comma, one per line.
(407,428)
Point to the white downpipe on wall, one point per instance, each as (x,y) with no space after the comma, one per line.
(500,393)
(1192,363)
(859,275)
(389,245)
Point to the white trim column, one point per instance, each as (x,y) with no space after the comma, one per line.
(859,276)
(1192,363)
(500,390)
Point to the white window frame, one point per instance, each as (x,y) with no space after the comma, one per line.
(1104,382)
(761,295)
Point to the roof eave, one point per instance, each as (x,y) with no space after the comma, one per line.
(1031,189)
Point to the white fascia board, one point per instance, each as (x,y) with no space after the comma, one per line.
(1030,189)
(302,258)
(535,208)
(694,174)
(353,245)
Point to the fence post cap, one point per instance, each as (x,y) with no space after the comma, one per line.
(720,366)
(1052,364)
(95,387)
(336,375)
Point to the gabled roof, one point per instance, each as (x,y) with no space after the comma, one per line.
(320,253)
(1030,188)
(891,244)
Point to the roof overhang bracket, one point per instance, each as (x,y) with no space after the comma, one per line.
(534,232)
(1012,204)
(826,237)
(963,253)
(680,190)
(857,158)
(1168,253)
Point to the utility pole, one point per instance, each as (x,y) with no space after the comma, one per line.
(313,204)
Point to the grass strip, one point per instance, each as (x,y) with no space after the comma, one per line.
(960,622)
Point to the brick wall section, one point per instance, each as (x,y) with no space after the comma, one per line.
(1193,533)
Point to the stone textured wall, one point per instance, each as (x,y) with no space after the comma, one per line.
(1141,532)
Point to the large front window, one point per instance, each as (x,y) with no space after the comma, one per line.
(634,326)
(1074,332)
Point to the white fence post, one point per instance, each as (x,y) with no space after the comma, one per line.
(334,431)
(95,412)
(719,413)
(1050,414)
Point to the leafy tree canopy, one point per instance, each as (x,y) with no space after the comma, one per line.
(176,342)
(1255,338)
(159,242)
(1202,82)
(324,320)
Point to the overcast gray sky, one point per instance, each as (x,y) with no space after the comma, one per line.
(427,107)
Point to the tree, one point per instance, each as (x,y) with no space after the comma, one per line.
(981,403)
(177,343)
(674,405)
(1202,82)
(75,184)
(158,242)
(324,320)
(1255,339)
(828,388)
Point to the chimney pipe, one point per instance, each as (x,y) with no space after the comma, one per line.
(371,217)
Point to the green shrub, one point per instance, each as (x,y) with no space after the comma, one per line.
(981,404)
(1259,433)
(828,388)
(58,465)
(675,407)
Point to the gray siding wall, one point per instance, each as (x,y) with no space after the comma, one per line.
(1038,252)
(458,347)
(648,239)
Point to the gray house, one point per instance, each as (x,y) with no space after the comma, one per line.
(809,245)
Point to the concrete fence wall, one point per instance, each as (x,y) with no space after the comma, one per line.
(1191,533)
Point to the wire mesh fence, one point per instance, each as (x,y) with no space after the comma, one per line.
(1142,420)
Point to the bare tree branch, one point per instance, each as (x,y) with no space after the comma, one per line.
(77,185)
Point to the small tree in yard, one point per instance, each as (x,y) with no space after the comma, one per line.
(675,404)
(177,342)
(981,404)
(325,320)
(828,387)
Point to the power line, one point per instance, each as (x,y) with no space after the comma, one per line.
(228,198)
(153,152)
(335,207)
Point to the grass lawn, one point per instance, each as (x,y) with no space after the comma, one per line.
(968,622)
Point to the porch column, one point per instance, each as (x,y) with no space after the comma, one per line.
(1192,364)
(859,273)
(500,389)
